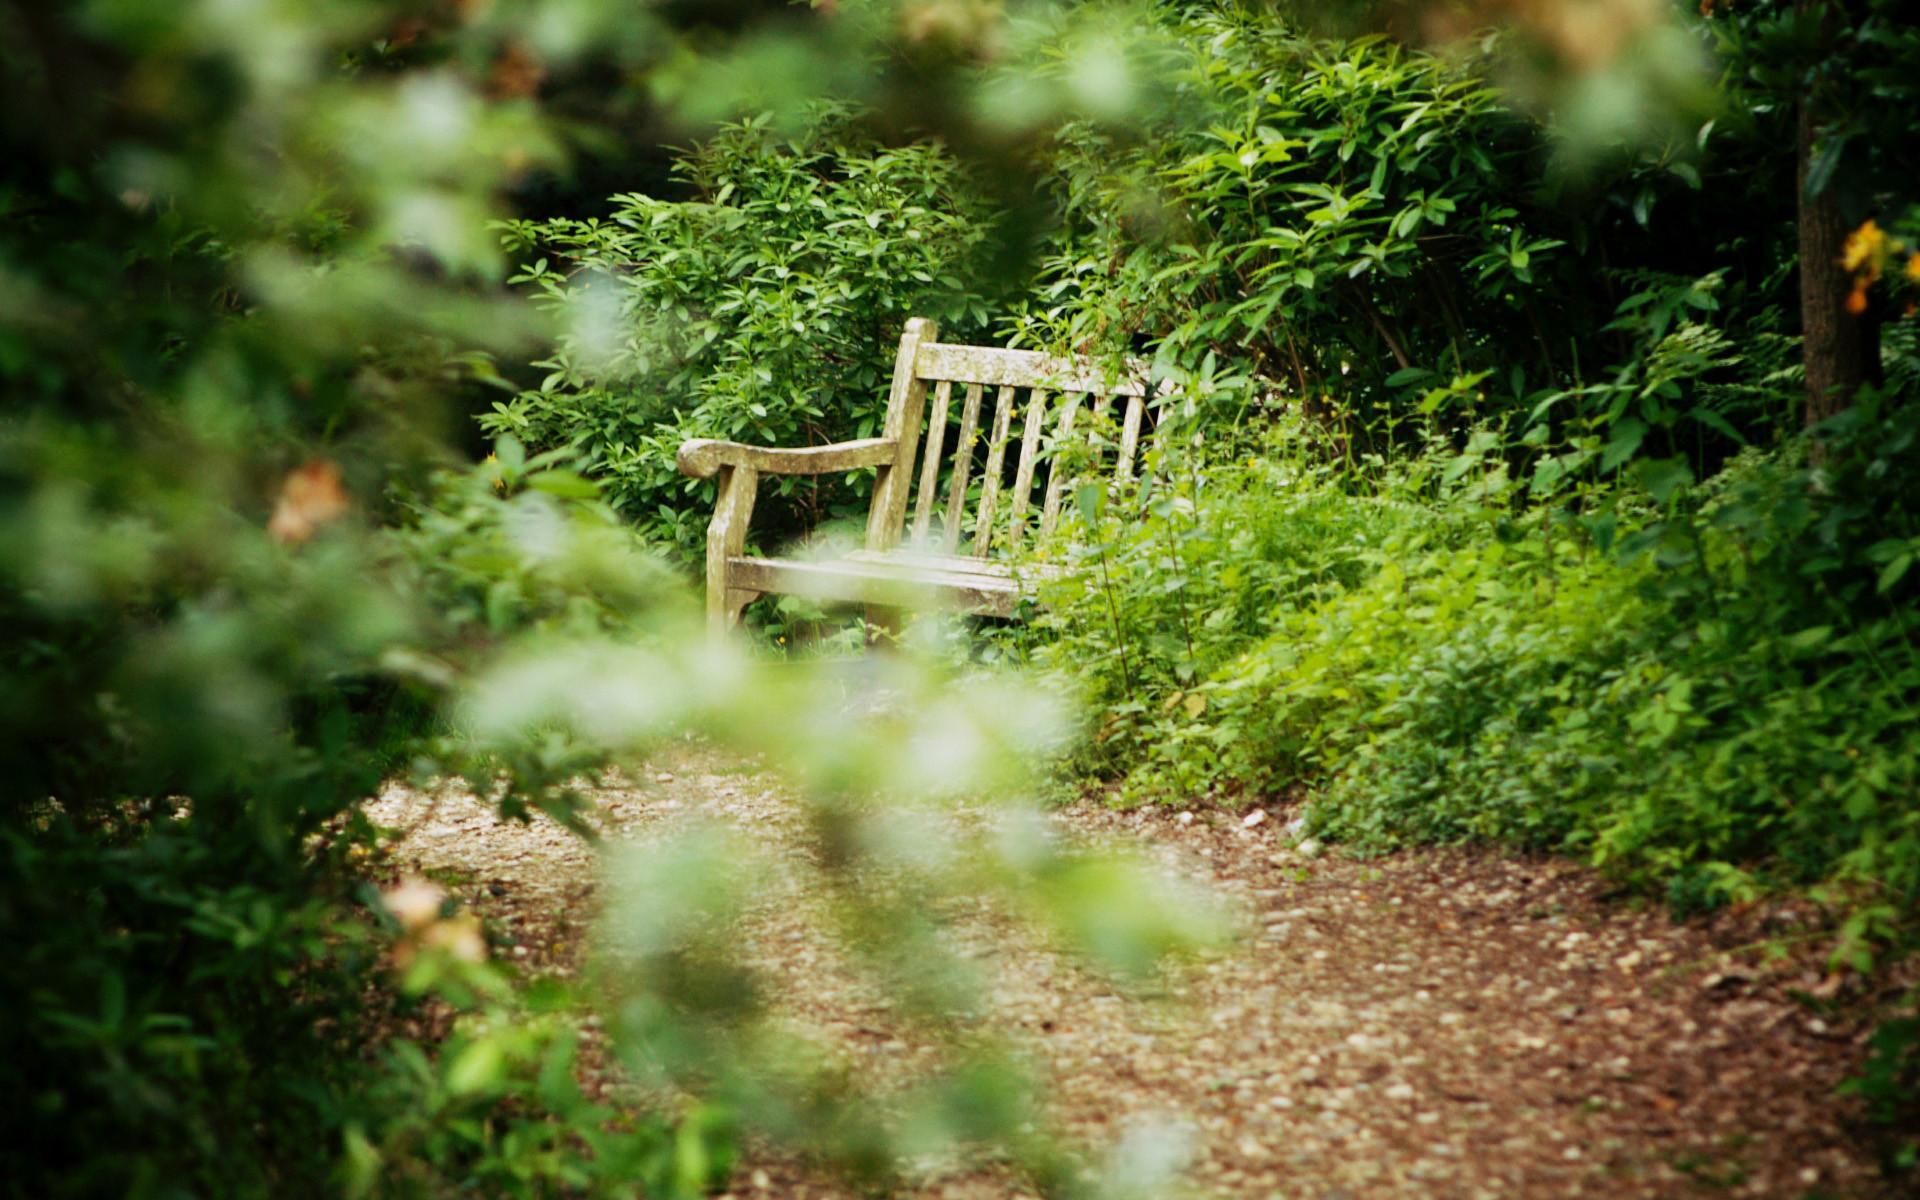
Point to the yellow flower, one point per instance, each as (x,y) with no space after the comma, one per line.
(1864,250)
(1913,268)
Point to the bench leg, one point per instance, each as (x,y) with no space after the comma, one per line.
(726,615)
(737,601)
(726,538)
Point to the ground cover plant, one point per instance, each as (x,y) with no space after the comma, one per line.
(1495,521)
(1681,697)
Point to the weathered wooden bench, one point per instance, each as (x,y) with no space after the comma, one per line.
(952,558)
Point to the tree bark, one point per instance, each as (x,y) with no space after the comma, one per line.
(1838,347)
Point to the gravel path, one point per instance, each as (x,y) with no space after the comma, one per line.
(1440,1023)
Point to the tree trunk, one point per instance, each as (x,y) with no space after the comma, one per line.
(1838,347)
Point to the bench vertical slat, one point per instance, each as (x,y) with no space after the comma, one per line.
(905,402)
(1129,439)
(1023,475)
(1059,463)
(962,470)
(930,460)
(1097,439)
(996,462)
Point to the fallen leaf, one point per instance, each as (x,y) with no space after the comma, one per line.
(517,73)
(413,902)
(310,496)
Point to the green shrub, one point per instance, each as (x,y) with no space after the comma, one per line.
(1174,585)
(1888,1087)
(181,853)
(1705,688)
(1342,217)
(765,309)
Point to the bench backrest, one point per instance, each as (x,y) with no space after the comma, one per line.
(1068,417)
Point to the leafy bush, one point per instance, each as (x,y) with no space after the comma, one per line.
(765,309)
(1350,224)
(1889,1087)
(1338,216)
(1707,688)
(182,853)
(1227,542)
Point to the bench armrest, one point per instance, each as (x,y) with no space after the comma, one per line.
(703,457)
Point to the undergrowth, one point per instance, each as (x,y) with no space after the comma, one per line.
(1708,688)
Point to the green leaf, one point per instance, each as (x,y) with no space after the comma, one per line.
(509,450)
(1826,160)
(1892,573)
(113,999)
(1628,433)
(1643,207)
(1088,497)
(557,1087)
(480,1066)
(1719,424)
(1663,478)
(568,485)
(1808,639)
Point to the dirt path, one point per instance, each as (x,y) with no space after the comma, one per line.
(1433,1024)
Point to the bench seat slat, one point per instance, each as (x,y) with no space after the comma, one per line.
(873,580)
(702,458)
(958,564)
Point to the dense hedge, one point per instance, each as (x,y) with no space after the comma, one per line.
(766,309)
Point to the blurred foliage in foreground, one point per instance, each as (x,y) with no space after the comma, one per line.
(247,279)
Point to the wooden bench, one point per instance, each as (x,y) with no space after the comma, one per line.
(960,554)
